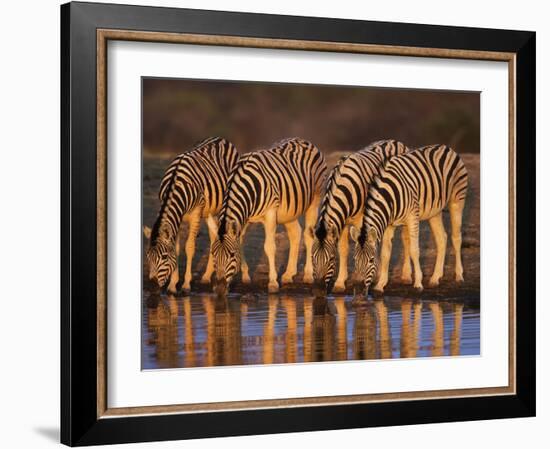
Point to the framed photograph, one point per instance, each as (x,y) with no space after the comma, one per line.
(280,224)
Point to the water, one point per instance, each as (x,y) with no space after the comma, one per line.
(199,330)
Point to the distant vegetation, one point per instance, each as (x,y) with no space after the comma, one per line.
(178,113)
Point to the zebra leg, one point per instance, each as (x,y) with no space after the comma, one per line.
(440,237)
(212,230)
(294,231)
(270,226)
(413,225)
(343,251)
(385,259)
(406,271)
(456,210)
(310,221)
(175,276)
(245,275)
(194,225)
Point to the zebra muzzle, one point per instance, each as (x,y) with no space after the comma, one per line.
(360,289)
(221,287)
(320,289)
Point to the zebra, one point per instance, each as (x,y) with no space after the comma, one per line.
(271,186)
(191,189)
(411,188)
(342,207)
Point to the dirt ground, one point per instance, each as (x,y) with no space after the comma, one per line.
(154,168)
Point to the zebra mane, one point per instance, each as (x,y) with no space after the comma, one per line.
(165,195)
(365,223)
(203,142)
(321,231)
(281,143)
(366,215)
(155,230)
(243,160)
(321,228)
(363,233)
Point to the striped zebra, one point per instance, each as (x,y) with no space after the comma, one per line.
(411,188)
(191,189)
(271,186)
(342,207)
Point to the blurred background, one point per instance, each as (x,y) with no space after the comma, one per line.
(177,113)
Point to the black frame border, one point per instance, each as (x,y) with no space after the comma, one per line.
(80,424)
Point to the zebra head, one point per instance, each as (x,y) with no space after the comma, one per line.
(366,264)
(226,252)
(161,258)
(323,254)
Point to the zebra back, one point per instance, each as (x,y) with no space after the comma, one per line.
(290,173)
(198,176)
(348,184)
(426,180)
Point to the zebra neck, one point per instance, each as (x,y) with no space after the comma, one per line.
(164,231)
(325,223)
(170,217)
(227,222)
(247,203)
(378,220)
(336,211)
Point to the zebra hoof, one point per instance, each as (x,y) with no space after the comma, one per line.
(184,292)
(273,287)
(308,279)
(434,283)
(246,280)
(339,288)
(377,293)
(205,281)
(407,280)
(287,279)
(459,279)
(418,289)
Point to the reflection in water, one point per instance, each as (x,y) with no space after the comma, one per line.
(364,334)
(188,345)
(384,337)
(437,336)
(269,330)
(323,337)
(409,331)
(223,333)
(455,335)
(291,338)
(342,328)
(162,318)
(201,330)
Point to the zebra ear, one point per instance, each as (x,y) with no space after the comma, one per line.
(371,236)
(147,232)
(354,233)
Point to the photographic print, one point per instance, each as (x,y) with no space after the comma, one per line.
(292,223)
(308,209)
